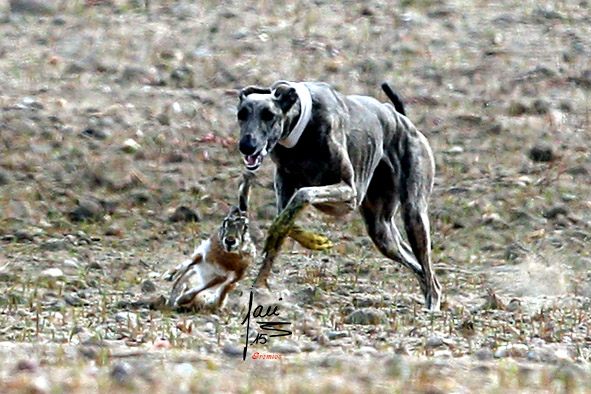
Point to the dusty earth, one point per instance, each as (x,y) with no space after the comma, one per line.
(112,116)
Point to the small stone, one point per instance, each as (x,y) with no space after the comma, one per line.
(579,169)
(540,107)
(73,300)
(483,354)
(455,150)
(52,273)
(71,263)
(162,343)
(365,316)
(75,68)
(183,77)
(86,211)
(398,368)
(541,153)
(96,133)
(184,369)
(5,177)
(24,235)
(58,21)
(285,348)
(114,231)
(121,372)
(514,351)
(332,335)
(26,366)
(310,347)
(136,74)
(233,350)
(130,146)
(555,212)
(163,119)
(184,214)
(517,108)
(32,7)
(55,245)
(95,265)
(126,318)
(434,342)
(209,327)
(148,286)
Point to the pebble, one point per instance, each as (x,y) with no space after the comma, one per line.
(6,177)
(71,263)
(96,133)
(52,273)
(33,7)
(434,342)
(73,300)
(26,366)
(555,212)
(365,316)
(515,351)
(483,354)
(233,350)
(184,214)
(55,244)
(121,372)
(148,286)
(336,334)
(541,153)
(398,368)
(86,210)
(184,369)
(126,317)
(285,348)
(209,327)
(130,146)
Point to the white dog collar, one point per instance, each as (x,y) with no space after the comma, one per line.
(305,114)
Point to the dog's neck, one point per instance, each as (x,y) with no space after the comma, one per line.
(305,99)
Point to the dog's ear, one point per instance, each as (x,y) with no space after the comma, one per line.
(285,96)
(253,89)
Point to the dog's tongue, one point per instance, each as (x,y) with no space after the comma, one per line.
(252,160)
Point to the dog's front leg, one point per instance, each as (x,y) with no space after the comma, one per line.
(283,223)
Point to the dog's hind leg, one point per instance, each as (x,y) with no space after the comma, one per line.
(378,210)
(416,224)
(284,222)
(416,183)
(386,237)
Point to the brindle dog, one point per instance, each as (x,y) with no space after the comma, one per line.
(339,153)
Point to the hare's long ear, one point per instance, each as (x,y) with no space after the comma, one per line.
(247,179)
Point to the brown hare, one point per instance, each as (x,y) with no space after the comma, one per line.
(219,262)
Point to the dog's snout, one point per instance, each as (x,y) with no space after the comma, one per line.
(230,242)
(247,145)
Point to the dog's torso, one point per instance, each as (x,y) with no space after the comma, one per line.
(357,132)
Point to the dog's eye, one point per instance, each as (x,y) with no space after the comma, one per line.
(243,114)
(267,115)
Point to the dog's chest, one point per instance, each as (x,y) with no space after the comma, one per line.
(310,166)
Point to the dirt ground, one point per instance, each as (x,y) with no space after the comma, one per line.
(113,115)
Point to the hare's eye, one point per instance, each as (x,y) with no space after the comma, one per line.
(267,115)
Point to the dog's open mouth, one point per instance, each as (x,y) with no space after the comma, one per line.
(253,162)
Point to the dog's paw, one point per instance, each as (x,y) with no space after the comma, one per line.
(310,240)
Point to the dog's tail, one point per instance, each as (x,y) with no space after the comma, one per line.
(394,98)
